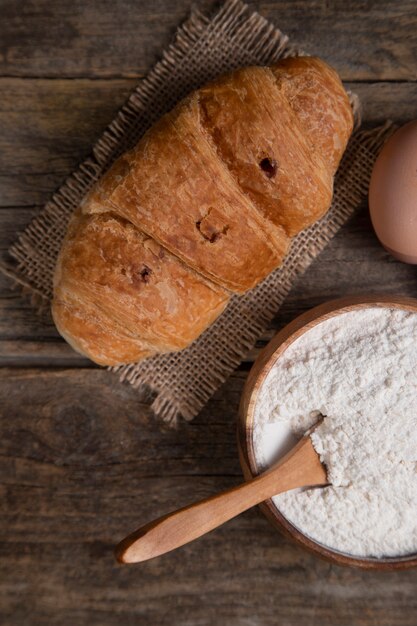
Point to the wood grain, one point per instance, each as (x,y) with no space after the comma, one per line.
(46,128)
(77,474)
(364,40)
(82,461)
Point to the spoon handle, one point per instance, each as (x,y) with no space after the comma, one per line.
(300,467)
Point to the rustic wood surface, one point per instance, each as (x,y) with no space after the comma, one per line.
(82,460)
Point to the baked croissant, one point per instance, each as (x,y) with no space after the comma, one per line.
(203,207)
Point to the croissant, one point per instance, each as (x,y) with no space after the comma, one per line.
(203,207)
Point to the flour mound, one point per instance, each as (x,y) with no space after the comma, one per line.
(359,369)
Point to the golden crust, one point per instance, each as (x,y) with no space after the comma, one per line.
(204,205)
(208,216)
(316,96)
(135,283)
(93,333)
(252,124)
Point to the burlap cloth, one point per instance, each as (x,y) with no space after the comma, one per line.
(204,47)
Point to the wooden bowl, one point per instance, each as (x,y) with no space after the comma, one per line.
(257,375)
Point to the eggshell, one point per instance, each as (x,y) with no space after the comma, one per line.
(393,194)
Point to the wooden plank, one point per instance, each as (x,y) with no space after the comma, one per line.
(82,462)
(48,126)
(365,41)
(24,335)
(386,100)
(76,39)
(353,262)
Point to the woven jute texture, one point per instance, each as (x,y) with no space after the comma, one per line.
(181,383)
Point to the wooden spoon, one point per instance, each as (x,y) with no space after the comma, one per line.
(301,467)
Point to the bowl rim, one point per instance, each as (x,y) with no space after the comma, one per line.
(260,369)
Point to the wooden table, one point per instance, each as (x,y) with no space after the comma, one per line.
(82,460)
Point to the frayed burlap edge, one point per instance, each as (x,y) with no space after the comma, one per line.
(172,377)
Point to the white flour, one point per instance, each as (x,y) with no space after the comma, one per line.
(360,370)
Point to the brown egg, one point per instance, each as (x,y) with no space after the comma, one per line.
(393,194)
